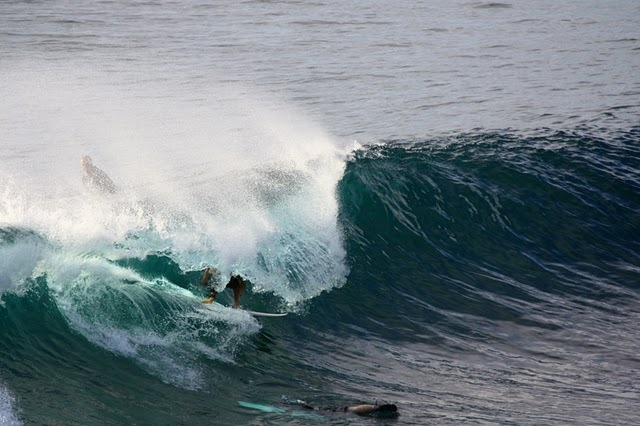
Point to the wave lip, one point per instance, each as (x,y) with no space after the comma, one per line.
(20,252)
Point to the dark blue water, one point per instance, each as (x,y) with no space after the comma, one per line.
(444,198)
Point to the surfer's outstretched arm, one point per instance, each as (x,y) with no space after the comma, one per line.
(362,409)
(365,409)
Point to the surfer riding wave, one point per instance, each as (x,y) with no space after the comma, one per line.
(236,283)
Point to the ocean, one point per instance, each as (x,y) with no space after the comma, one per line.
(444,197)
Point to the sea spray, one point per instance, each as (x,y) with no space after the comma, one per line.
(20,252)
(241,181)
(8,415)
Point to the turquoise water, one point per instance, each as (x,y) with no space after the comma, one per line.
(444,198)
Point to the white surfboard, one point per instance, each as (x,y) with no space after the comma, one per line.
(265,314)
(253,313)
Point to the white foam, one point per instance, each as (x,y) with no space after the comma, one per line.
(236,179)
(8,416)
(18,261)
(160,326)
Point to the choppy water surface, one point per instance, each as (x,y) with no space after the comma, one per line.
(377,69)
(445,198)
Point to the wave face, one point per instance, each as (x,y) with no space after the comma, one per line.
(491,271)
(497,220)
(512,261)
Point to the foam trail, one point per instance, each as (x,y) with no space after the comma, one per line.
(160,326)
(8,415)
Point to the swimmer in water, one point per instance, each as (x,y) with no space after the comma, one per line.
(375,410)
(361,409)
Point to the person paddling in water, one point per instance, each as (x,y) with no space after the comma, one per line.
(376,410)
(362,409)
(236,283)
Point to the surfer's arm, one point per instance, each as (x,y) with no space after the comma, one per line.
(365,409)
(362,409)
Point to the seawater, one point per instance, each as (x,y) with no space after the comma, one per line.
(7,412)
(443,197)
